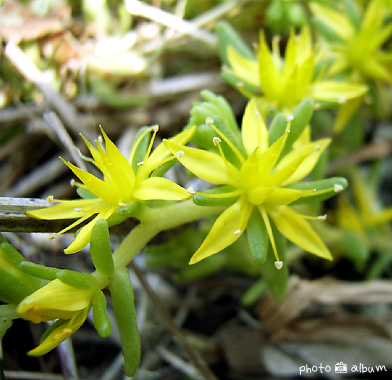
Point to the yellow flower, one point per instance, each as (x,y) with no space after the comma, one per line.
(284,83)
(261,181)
(56,300)
(358,40)
(121,184)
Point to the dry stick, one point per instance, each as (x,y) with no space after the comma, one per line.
(52,119)
(192,353)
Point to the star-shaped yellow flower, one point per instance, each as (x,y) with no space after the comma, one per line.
(357,41)
(283,83)
(262,183)
(124,181)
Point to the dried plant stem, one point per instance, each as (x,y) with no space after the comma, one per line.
(194,356)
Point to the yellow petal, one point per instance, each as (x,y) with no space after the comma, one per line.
(282,196)
(61,333)
(160,188)
(270,75)
(242,67)
(295,228)
(98,187)
(338,22)
(83,237)
(301,161)
(54,300)
(226,230)
(207,165)
(332,91)
(66,209)
(254,131)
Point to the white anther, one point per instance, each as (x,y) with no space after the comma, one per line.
(72,182)
(50,198)
(290,117)
(209,120)
(155,128)
(191,190)
(236,232)
(180,153)
(53,236)
(278,264)
(317,106)
(140,163)
(322,217)
(337,188)
(77,209)
(122,204)
(100,139)
(216,141)
(240,84)
(342,100)
(317,147)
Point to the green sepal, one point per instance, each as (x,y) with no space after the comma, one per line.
(141,149)
(40,271)
(76,279)
(276,279)
(124,310)
(100,250)
(325,188)
(7,314)
(354,248)
(163,169)
(254,293)
(100,317)
(302,115)
(277,127)
(247,89)
(12,255)
(257,237)
(202,200)
(202,269)
(123,213)
(13,288)
(85,193)
(228,36)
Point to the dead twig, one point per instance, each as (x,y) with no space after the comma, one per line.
(194,356)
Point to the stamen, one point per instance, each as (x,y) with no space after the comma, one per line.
(53,236)
(278,264)
(236,232)
(140,163)
(50,198)
(77,209)
(240,84)
(322,217)
(155,128)
(72,182)
(290,117)
(216,141)
(191,190)
(209,120)
(317,147)
(270,233)
(317,106)
(122,204)
(337,188)
(180,153)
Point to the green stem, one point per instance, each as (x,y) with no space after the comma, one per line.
(153,221)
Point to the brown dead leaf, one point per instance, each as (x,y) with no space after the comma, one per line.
(18,23)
